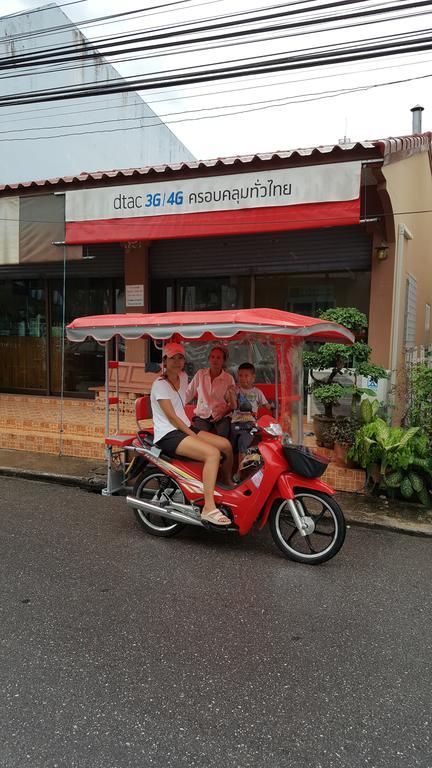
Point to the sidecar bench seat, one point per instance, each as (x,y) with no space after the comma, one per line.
(133,379)
(119,441)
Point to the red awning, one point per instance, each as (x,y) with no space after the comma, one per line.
(206,326)
(245,221)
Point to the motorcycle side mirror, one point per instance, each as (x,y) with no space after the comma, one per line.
(269,425)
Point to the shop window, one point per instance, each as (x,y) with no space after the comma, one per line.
(310,293)
(83,363)
(23,335)
(212,293)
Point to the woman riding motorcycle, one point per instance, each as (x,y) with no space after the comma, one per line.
(174,435)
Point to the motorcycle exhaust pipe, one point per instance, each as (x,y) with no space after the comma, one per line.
(169,513)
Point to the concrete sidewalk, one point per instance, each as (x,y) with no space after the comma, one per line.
(90,475)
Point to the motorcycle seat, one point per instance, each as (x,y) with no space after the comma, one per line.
(144,440)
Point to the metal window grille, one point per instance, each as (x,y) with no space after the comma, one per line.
(410,311)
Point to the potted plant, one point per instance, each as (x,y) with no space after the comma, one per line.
(329,396)
(344,432)
(340,361)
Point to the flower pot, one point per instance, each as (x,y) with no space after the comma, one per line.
(340,455)
(375,473)
(323,429)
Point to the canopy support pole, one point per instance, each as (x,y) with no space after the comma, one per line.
(277,348)
(63,338)
(108,452)
(117,385)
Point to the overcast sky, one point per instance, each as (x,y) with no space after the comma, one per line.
(376,112)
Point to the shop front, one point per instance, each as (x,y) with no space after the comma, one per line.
(282,231)
(303,272)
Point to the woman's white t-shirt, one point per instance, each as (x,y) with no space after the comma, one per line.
(162,390)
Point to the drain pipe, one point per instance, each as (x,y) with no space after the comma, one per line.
(403,234)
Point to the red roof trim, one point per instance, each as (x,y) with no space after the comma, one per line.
(384,147)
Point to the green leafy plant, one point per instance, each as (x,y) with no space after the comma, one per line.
(368,410)
(342,360)
(400,454)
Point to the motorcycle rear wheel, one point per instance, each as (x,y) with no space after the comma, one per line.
(319,546)
(147,488)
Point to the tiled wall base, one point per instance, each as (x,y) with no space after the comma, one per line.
(31,423)
(43,425)
(344,479)
(340,478)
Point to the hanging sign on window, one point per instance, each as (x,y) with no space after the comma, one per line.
(134,295)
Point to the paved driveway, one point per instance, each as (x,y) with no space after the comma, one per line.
(121,650)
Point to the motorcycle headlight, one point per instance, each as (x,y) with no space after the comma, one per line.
(274,429)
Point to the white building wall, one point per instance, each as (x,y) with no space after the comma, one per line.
(131,135)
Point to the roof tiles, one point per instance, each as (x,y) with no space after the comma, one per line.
(384,147)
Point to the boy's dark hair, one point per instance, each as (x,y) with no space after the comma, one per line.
(246,367)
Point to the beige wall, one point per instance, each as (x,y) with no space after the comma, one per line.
(380,307)
(409,184)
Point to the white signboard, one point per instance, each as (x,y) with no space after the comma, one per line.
(335,182)
(134,295)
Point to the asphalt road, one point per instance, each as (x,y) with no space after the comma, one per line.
(122,650)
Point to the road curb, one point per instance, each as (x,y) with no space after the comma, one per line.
(87,484)
(96,484)
(391,526)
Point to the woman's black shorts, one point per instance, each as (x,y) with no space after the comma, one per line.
(170,442)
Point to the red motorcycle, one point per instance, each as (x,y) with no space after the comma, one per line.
(280,486)
(279,482)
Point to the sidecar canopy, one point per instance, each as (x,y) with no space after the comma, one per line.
(233,325)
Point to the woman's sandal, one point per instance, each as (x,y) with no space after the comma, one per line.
(216,517)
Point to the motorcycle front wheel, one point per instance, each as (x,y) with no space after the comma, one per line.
(320,545)
(148,488)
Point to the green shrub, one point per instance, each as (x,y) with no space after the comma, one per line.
(402,456)
(420,398)
(350,317)
(342,360)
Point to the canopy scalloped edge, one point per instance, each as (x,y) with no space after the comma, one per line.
(196,332)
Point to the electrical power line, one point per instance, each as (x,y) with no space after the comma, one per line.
(299,99)
(161,40)
(332,54)
(49,111)
(229,44)
(115,18)
(219,222)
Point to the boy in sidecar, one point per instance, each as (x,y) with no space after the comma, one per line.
(245,400)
